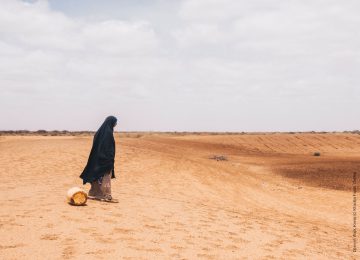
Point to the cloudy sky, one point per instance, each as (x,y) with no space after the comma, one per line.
(192,65)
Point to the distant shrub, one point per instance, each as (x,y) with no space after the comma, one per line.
(219,158)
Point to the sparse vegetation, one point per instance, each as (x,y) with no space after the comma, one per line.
(45,133)
(138,134)
(219,158)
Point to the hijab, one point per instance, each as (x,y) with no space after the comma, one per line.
(102,154)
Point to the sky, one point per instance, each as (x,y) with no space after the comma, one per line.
(187,65)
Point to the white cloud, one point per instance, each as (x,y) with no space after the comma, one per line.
(120,37)
(208,65)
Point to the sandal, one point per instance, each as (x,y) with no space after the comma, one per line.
(107,198)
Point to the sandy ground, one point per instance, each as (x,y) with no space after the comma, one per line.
(271,200)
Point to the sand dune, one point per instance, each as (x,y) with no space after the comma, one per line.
(270,200)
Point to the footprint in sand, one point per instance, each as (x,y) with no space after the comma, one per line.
(177,247)
(68,252)
(145,249)
(123,230)
(49,237)
(11,246)
(152,226)
(110,221)
(100,252)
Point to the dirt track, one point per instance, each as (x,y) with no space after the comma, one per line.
(271,200)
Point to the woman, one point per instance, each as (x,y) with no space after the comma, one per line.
(99,169)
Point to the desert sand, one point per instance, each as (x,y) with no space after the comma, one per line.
(272,199)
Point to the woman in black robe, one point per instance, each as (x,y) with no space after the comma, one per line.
(99,169)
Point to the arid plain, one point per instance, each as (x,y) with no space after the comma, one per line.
(271,198)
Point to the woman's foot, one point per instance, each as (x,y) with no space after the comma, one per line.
(109,198)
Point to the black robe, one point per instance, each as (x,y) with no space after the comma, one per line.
(102,155)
